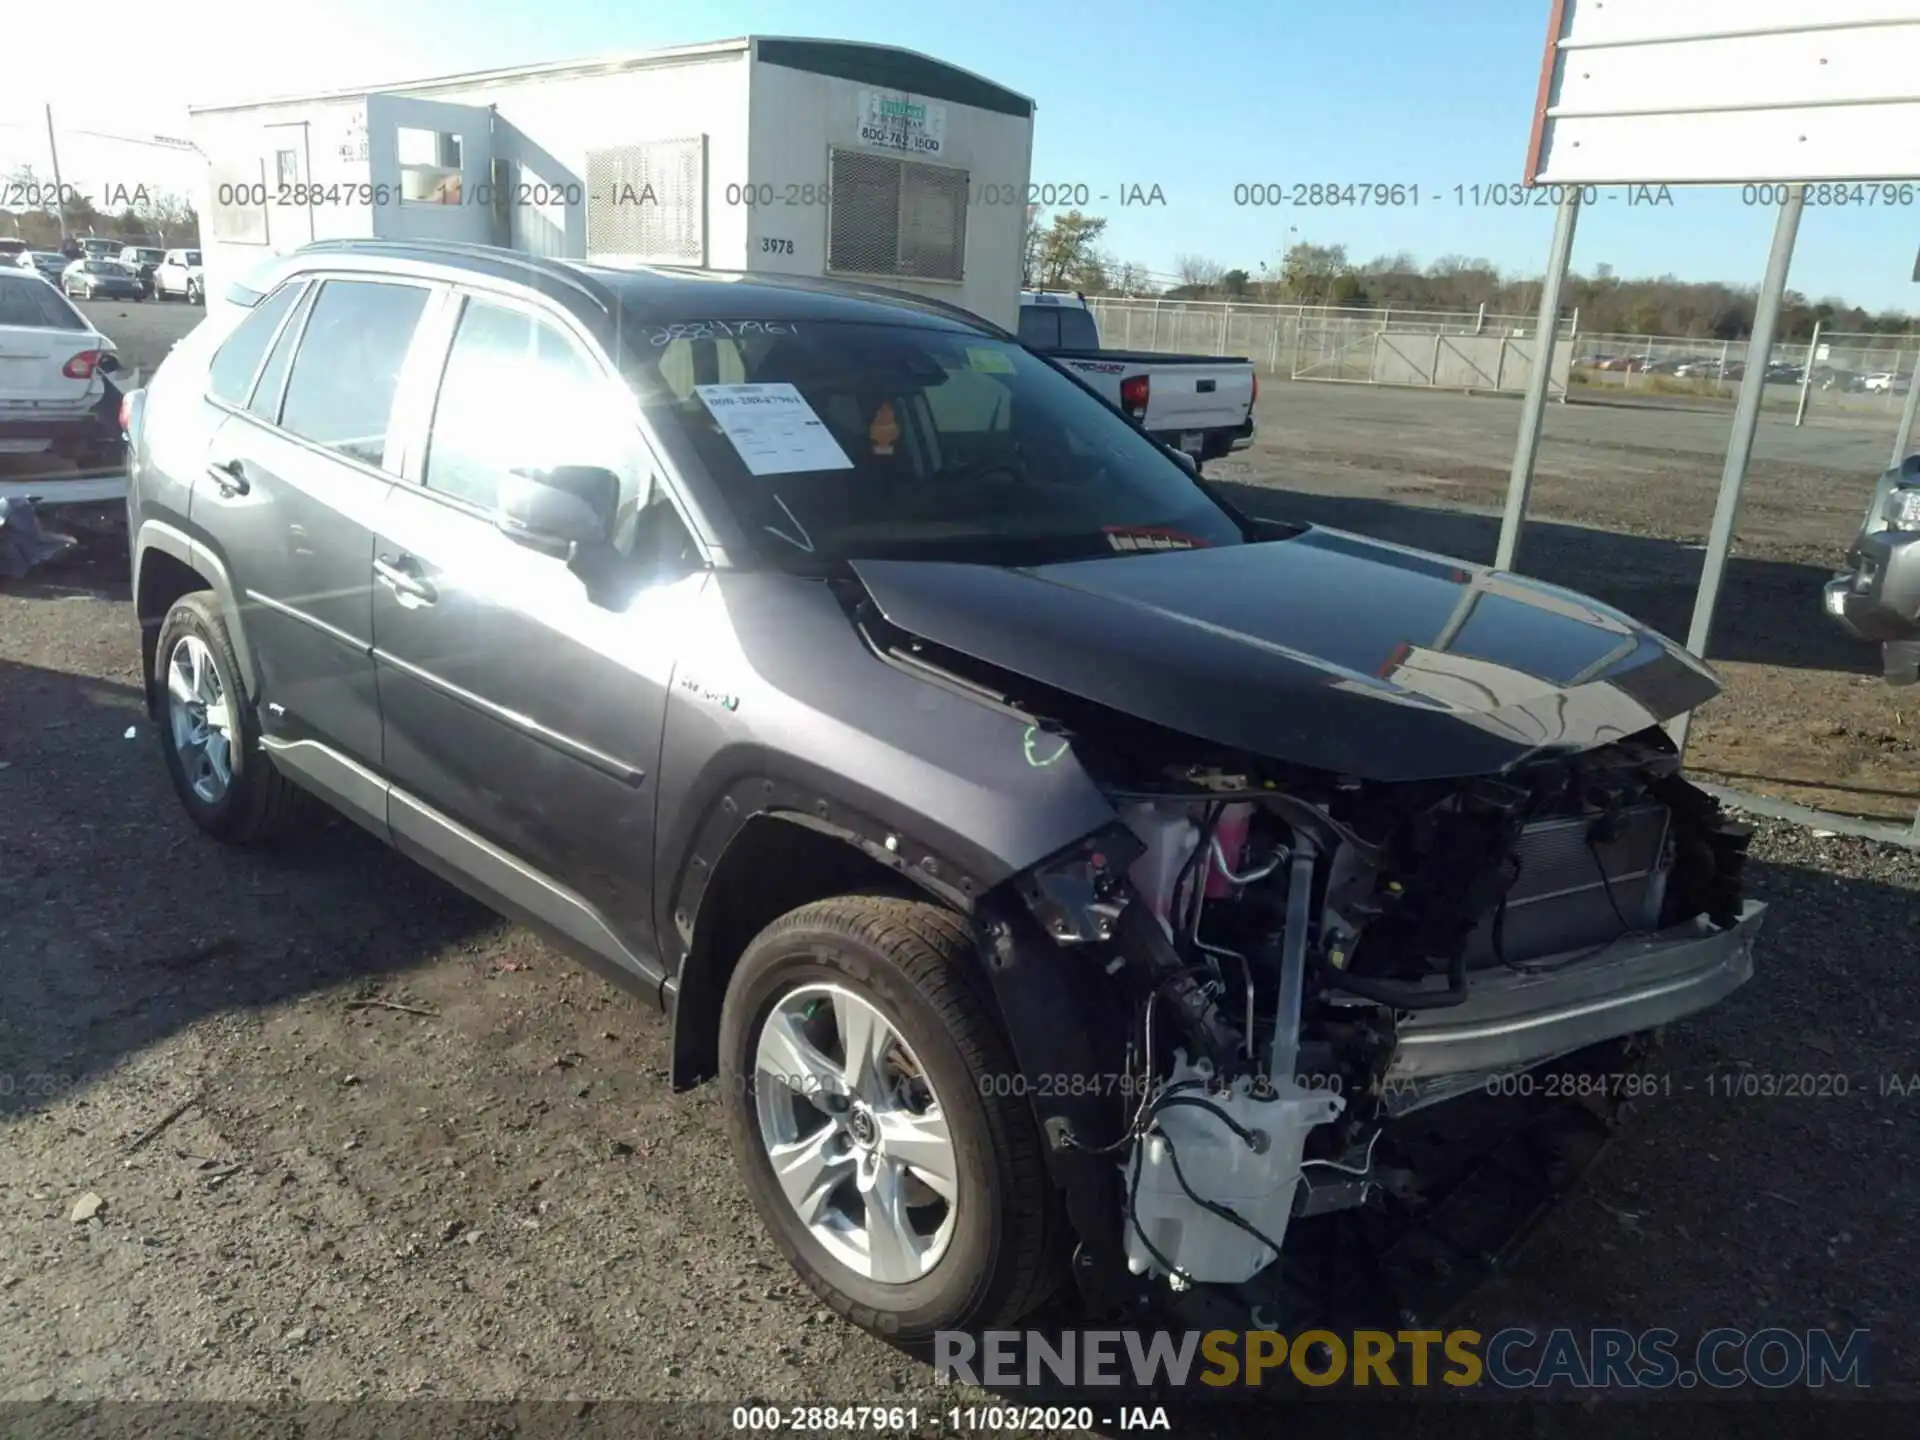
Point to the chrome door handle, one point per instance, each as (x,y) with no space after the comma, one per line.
(401,575)
(230,477)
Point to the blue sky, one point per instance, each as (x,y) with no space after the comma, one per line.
(1193,98)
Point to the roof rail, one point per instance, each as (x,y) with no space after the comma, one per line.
(544,266)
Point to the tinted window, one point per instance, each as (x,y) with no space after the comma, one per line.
(340,394)
(230,377)
(855,440)
(272,383)
(1040,327)
(1077,331)
(518,392)
(28,300)
(193,257)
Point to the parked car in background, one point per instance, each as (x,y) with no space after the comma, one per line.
(179,274)
(54,392)
(1199,404)
(1877,598)
(858,687)
(1878,383)
(143,260)
(11,250)
(48,264)
(100,247)
(102,280)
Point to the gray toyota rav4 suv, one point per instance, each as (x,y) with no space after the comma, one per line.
(1069,877)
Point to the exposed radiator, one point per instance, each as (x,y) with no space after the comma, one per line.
(1572,894)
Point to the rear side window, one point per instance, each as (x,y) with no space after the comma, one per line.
(272,383)
(28,300)
(230,377)
(340,394)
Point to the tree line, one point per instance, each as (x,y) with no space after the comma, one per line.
(1066,253)
(160,217)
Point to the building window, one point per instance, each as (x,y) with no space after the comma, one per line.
(286,168)
(429,166)
(893,217)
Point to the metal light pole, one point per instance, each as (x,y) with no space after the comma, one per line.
(1806,375)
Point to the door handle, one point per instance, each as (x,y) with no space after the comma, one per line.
(402,575)
(230,477)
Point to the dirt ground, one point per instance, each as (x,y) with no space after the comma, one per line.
(1623,497)
(354,1139)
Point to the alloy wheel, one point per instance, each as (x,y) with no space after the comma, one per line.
(199,720)
(858,1140)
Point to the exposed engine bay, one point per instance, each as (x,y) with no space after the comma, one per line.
(1346,1001)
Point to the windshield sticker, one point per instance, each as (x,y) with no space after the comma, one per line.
(719,330)
(1131,538)
(773,429)
(988,362)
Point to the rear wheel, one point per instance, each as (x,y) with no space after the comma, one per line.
(223,777)
(861,1054)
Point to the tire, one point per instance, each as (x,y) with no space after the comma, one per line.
(257,802)
(196,293)
(911,962)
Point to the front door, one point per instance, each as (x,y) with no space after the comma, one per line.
(522,718)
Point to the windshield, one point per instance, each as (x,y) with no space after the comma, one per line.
(849,441)
(29,301)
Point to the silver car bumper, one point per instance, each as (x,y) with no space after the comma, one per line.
(1512,1021)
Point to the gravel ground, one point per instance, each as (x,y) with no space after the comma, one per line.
(309,1190)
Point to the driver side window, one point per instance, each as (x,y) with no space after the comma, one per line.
(518,391)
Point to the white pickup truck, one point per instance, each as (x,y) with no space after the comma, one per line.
(1201,404)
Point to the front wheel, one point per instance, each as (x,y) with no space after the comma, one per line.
(225,779)
(196,292)
(868,1113)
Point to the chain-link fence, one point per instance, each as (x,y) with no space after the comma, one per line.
(1450,349)
(1865,374)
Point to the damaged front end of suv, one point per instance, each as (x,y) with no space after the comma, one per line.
(1318,1042)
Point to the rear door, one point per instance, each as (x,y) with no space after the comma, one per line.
(294,482)
(523,719)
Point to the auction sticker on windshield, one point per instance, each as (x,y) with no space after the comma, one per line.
(773,428)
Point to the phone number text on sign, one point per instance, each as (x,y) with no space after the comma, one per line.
(889,121)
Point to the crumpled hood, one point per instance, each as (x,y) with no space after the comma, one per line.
(1326,650)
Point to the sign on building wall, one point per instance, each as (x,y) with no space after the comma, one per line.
(353,145)
(895,120)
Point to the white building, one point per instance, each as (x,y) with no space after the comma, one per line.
(811,157)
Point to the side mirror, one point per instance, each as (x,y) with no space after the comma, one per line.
(561,511)
(1187,462)
(106,364)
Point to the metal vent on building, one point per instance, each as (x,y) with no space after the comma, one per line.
(896,217)
(649,201)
